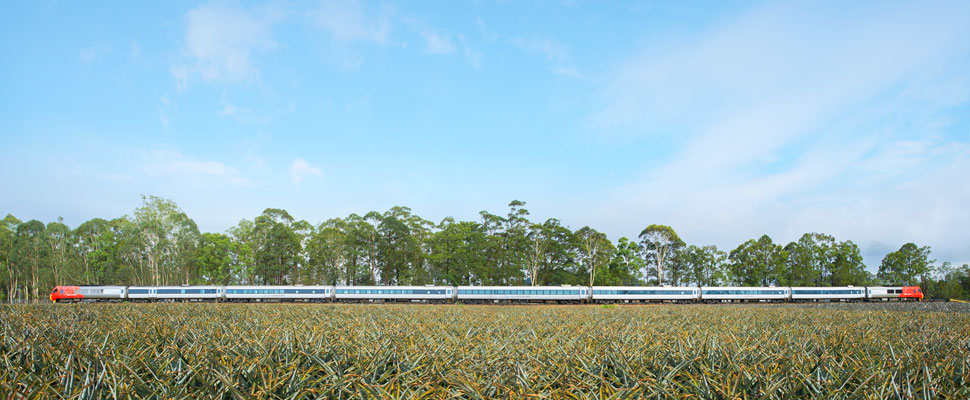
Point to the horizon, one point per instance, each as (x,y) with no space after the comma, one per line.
(724,121)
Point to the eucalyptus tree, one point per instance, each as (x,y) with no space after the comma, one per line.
(29,247)
(127,263)
(595,250)
(8,235)
(847,267)
(92,241)
(625,268)
(369,236)
(515,243)
(560,260)
(168,238)
(492,246)
(660,242)
(906,265)
(395,247)
(757,262)
(705,265)
(539,241)
(329,255)
(246,235)
(278,247)
(456,257)
(417,247)
(58,250)
(952,282)
(220,260)
(809,260)
(301,271)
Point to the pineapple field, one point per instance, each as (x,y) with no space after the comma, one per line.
(296,351)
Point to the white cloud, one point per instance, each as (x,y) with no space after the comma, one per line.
(163,114)
(347,21)
(472,57)
(351,21)
(551,50)
(219,42)
(171,163)
(441,43)
(300,170)
(548,48)
(567,71)
(244,115)
(436,43)
(783,128)
(487,34)
(135,51)
(89,53)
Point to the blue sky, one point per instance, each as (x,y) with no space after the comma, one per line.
(725,120)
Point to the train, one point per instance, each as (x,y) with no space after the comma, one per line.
(565,294)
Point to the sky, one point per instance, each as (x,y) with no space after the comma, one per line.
(724,120)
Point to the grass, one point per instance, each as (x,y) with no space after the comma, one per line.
(397,351)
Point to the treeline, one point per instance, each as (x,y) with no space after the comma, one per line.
(158,244)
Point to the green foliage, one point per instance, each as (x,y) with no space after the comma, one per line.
(660,244)
(819,260)
(625,268)
(220,260)
(703,265)
(158,244)
(906,265)
(757,263)
(165,240)
(456,252)
(595,250)
(847,267)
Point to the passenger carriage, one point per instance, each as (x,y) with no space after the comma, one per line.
(523,294)
(642,294)
(175,293)
(278,293)
(745,294)
(428,294)
(834,293)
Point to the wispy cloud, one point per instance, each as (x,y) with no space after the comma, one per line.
(244,115)
(442,43)
(567,71)
(163,111)
(549,49)
(134,51)
(487,34)
(300,170)
(347,20)
(89,53)
(171,163)
(472,57)
(436,43)
(767,112)
(219,42)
